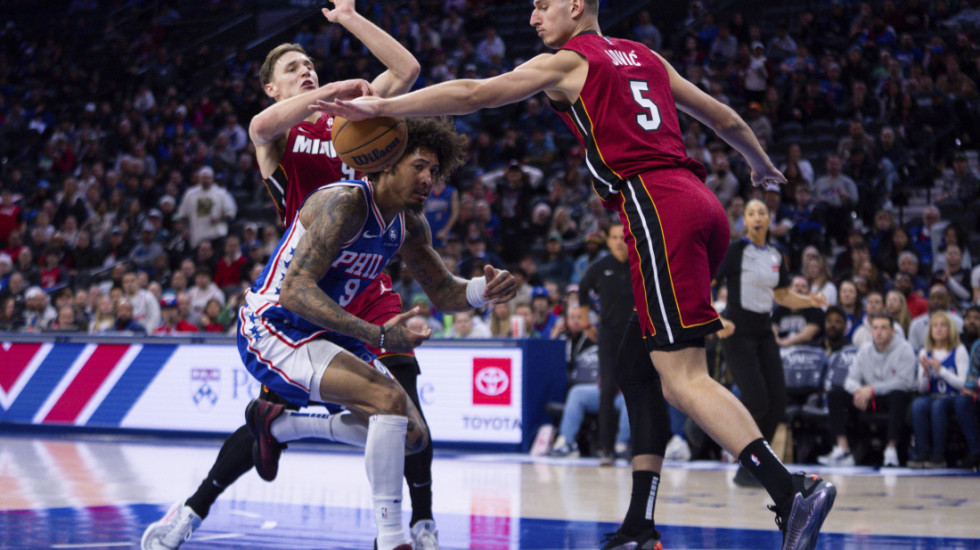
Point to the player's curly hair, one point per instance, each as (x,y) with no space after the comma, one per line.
(438,134)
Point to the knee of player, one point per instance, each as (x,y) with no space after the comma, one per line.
(417,439)
(392,399)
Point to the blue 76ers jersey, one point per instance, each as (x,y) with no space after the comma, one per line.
(358,263)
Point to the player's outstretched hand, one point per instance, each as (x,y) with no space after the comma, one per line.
(501,285)
(351,89)
(398,337)
(767,175)
(340,8)
(360,108)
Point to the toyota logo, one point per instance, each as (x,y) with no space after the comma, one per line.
(492,381)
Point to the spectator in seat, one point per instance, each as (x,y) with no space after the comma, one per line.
(124,319)
(971,329)
(583,395)
(466,325)
(203,290)
(897,307)
(207,208)
(834,328)
(144,254)
(499,321)
(881,379)
(554,264)
(817,275)
(850,304)
(914,302)
(38,313)
(944,362)
(172,323)
(908,262)
(961,187)
(146,307)
(10,318)
(874,303)
(953,275)
(211,318)
(66,320)
(231,268)
(939,300)
(924,232)
(967,410)
(104,318)
(721,181)
(797,327)
(836,196)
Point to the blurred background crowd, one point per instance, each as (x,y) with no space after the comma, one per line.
(130,198)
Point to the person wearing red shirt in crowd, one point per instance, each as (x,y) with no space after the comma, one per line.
(52,270)
(232,264)
(10,215)
(173,323)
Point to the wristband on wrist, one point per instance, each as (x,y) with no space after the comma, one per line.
(381,339)
(474,291)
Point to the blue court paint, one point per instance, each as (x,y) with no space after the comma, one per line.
(234,524)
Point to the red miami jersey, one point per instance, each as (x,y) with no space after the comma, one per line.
(376,305)
(625,117)
(308,163)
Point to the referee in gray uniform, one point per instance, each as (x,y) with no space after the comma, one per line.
(756,277)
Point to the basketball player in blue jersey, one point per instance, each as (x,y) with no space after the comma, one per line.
(291,170)
(296,338)
(621,100)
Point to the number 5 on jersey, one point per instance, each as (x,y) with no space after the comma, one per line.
(650,120)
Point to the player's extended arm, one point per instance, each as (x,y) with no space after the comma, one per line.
(725,122)
(447,292)
(331,217)
(275,120)
(558,72)
(403,68)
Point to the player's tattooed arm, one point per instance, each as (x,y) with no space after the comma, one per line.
(446,291)
(331,217)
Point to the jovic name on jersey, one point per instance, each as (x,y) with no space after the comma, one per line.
(358,263)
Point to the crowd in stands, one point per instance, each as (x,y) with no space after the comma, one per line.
(130,199)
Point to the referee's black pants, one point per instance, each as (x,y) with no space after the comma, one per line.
(756,368)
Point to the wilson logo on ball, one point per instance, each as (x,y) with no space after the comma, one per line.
(370,145)
(376,154)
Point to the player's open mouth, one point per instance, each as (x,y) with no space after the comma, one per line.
(421,196)
(308,85)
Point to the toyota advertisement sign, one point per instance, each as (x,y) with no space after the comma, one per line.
(471,394)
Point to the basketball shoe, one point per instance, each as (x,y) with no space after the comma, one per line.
(800,521)
(171,531)
(647,540)
(266,450)
(425,536)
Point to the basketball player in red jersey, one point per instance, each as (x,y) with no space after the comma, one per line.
(296,156)
(621,100)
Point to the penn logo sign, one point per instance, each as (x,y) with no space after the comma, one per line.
(492,381)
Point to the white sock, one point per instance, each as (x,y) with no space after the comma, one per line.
(384,460)
(342,427)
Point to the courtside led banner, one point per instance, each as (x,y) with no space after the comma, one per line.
(469,394)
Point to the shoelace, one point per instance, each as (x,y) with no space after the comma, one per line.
(779,519)
(608,537)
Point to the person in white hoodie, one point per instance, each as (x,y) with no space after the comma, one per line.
(881,379)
